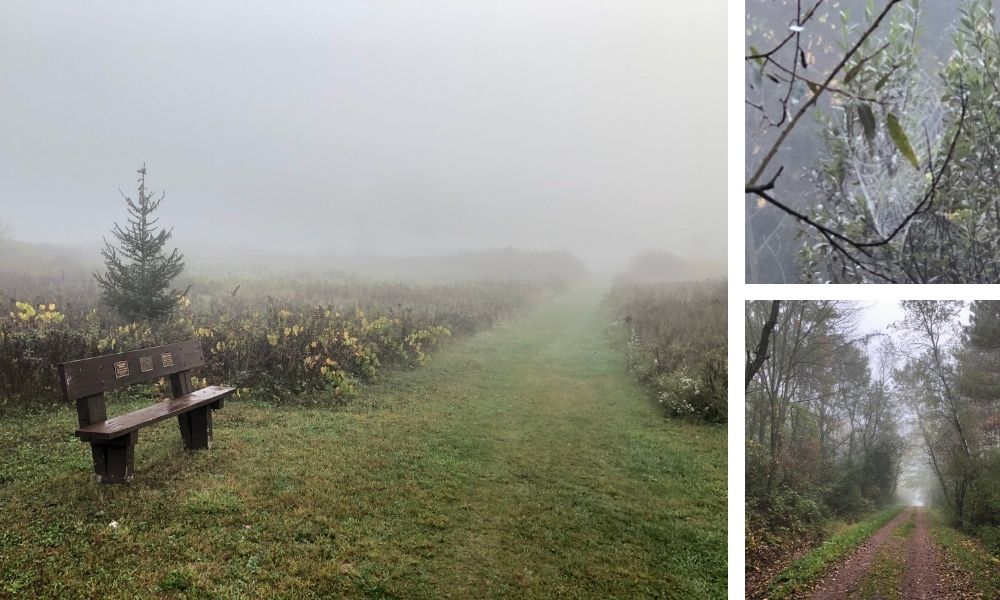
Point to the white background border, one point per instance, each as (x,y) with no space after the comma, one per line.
(738,293)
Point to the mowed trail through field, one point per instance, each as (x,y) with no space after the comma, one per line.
(524,462)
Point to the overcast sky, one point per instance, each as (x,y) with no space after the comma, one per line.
(371,126)
(879,315)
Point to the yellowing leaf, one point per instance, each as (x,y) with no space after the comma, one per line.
(902,142)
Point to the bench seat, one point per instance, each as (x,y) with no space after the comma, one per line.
(127,423)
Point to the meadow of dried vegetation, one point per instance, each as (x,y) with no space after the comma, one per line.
(271,335)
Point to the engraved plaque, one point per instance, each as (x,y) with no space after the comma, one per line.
(121,369)
(145,363)
(167,359)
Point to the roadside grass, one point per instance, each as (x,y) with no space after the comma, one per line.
(968,553)
(809,568)
(884,580)
(524,462)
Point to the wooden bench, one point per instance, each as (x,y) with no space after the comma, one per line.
(113,440)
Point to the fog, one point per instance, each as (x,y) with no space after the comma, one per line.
(371,127)
(917,484)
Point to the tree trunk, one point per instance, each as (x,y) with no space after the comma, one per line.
(760,353)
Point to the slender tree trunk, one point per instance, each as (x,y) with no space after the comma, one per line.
(760,353)
(772,467)
(935,466)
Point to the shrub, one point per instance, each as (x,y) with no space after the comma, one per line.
(982,518)
(675,337)
(991,538)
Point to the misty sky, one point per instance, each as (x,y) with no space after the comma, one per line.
(371,126)
(879,315)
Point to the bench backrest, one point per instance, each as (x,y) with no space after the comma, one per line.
(92,376)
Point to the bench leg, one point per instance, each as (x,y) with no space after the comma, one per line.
(113,458)
(196,428)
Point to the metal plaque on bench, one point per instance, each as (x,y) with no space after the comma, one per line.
(121,369)
(145,364)
(167,359)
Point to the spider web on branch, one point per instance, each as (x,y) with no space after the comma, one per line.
(890,186)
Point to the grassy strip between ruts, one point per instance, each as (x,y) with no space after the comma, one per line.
(815,563)
(968,554)
(884,579)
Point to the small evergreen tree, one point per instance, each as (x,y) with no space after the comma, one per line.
(137,280)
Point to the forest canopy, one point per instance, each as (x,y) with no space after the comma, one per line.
(844,417)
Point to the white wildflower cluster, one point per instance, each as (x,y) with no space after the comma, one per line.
(679,389)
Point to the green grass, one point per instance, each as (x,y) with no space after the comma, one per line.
(905,530)
(969,554)
(524,462)
(809,568)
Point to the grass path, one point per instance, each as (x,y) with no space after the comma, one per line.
(524,462)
